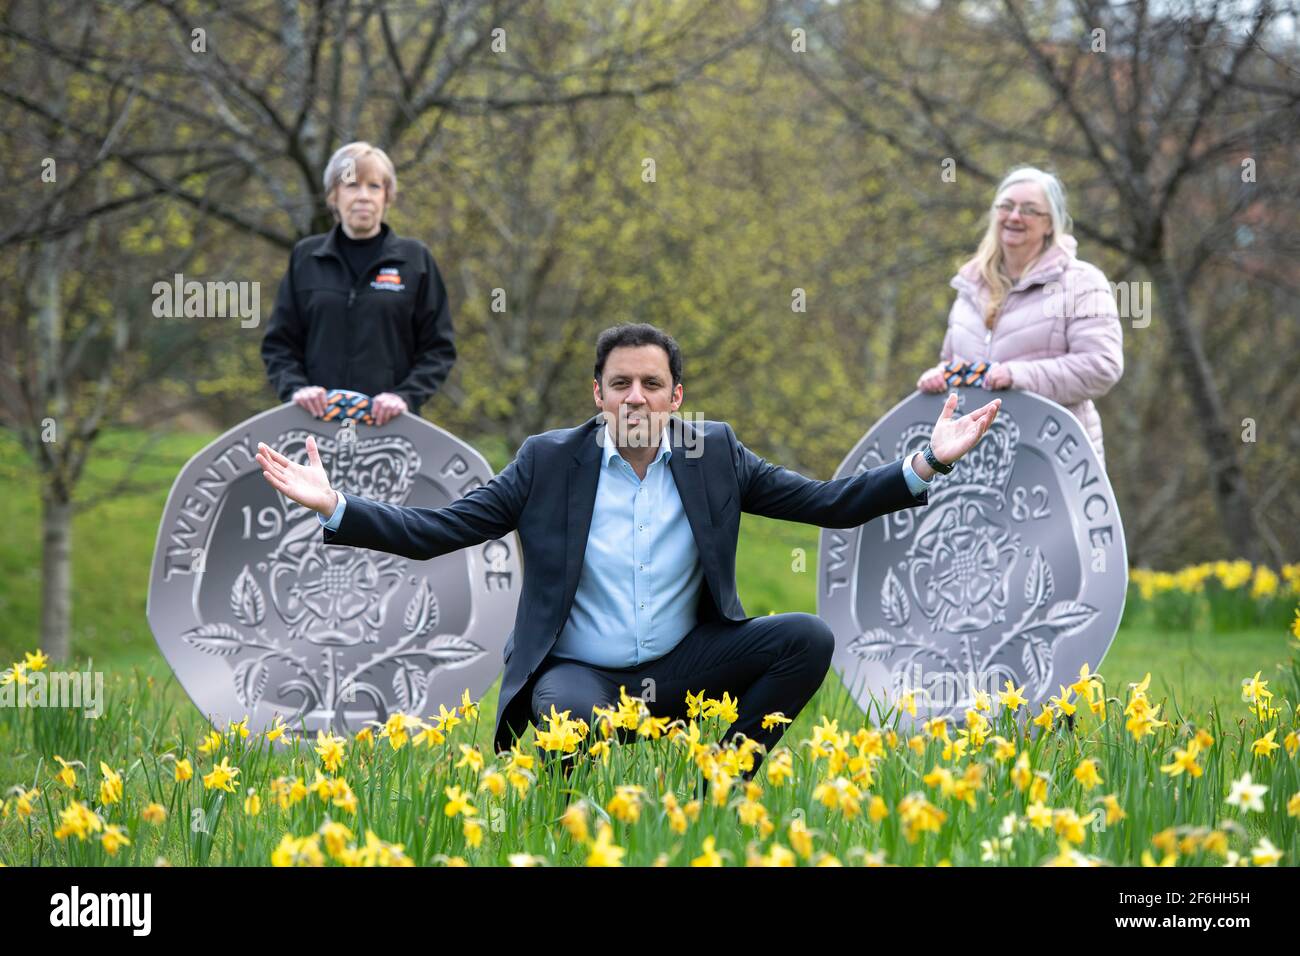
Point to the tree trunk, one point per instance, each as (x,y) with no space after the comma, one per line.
(56,511)
(1212,427)
(56,577)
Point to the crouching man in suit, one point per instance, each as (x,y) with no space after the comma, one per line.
(628,524)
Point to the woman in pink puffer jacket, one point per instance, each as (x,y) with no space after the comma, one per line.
(1046,321)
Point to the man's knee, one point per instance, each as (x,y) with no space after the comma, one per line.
(816,637)
(565,687)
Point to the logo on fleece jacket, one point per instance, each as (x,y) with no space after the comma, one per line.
(388,278)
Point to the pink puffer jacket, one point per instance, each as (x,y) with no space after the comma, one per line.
(1058,332)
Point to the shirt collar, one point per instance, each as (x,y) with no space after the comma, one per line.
(611,450)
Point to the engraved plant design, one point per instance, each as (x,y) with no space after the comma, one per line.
(336,599)
(958,571)
(1040,632)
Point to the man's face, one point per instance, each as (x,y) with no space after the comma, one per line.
(637,394)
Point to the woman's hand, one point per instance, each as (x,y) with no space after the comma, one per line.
(933,379)
(386,406)
(312,398)
(998,376)
(306,484)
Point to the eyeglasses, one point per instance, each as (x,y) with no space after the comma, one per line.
(1026,208)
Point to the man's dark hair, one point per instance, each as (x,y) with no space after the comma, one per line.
(635,334)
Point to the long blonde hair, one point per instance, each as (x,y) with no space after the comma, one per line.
(989,261)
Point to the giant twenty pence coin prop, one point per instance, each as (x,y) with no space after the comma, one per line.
(1015,570)
(258,617)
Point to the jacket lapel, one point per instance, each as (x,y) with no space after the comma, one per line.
(584,472)
(690,483)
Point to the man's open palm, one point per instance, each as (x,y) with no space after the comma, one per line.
(306,484)
(953,437)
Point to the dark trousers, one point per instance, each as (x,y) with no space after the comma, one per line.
(772,663)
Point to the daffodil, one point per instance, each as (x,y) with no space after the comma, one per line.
(574,821)
(1114,812)
(773,719)
(1086,773)
(277,730)
(1246,794)
(23,803)
(1265,853)
(17,674)
(113,839)
(457,802)
(1252,688)
(110,788)
(727,708)
(336,836)
(625,805)
(67,776)
(877,809)
(473,832)
(330,750)
(298,851)
(1013,697)
(1088,683)
(447,719)
(397,729)
(709,857)
(1038,816)
(1184,761)
(1020,773)
(603,852)
(780,768)
(78,820)
(1264,746)
(468,709)
(222,777)
(1062,701)
(907,702)
(1044,718)
(694,704)
(471,757)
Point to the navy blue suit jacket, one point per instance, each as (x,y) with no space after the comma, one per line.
(548,494)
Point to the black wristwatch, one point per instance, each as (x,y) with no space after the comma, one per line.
(933,461)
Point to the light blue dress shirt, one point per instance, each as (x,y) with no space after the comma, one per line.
(634,604)
(641,572)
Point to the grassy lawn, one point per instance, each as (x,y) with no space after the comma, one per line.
(113,544)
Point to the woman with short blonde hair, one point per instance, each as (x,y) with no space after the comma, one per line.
(361,309)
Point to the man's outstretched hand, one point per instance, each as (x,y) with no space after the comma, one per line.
(306,484)
(953,437)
